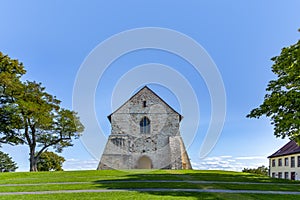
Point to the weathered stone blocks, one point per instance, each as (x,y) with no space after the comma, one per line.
(130,148)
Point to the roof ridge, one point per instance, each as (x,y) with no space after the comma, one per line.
(145,87)
(289,148)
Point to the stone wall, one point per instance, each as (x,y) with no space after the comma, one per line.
(126,144)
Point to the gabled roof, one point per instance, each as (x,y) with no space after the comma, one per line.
(145,87)
(290,148)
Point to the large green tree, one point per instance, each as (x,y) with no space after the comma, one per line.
(11,71)
(50,161)
(282,101)
(6,163)
(29,115)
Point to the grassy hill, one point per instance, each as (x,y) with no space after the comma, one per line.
(143,184)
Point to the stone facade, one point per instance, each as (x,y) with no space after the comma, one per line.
(145,134)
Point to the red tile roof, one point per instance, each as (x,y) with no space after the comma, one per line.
(290,148)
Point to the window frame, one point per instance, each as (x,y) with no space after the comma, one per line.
(286,175)
(286,162)
(273,163)
(292,161)
(273,175)
(279,174)
(145,125)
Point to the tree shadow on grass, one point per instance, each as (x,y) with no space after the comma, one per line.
(170,180)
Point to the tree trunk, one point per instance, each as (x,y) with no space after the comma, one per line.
(33,161)
(33,166)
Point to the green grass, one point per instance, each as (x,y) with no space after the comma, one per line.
(90,176)
(152,195)
(91,186)
(113,179)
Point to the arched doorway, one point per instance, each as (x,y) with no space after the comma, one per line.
(144,163)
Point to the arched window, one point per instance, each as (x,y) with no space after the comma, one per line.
(145,125)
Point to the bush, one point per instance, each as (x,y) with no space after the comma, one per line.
(6,163)
(50,161)
(262,170)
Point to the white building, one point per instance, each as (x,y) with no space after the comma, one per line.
(285,163)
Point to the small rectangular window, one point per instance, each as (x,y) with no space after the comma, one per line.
(279,162)
(273,163)
(293,161)
(279,174)
(144,104)
(286,175)
(273,175)
(286,162)
(298,158)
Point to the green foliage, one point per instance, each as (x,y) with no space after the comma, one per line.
(6,163)
(10,73)
(262,170)
(50,161)
(282,102)
(31,116)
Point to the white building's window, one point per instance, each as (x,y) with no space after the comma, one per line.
(279,174)
(298,158)
(273,175)
(286,162)
(279,162)
(292,161)
(293,175)
(145,125)
(286,175)
(273,163)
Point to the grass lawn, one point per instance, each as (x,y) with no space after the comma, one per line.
(133,179)
(151,195)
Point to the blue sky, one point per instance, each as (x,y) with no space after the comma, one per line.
(53,38)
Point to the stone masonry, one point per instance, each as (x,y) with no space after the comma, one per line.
(145,135)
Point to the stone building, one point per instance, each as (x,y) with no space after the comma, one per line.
(145,135)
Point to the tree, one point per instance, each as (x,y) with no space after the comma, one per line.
(35,118)
(49,161)
(282,102)
(262,170)
(10,73)
(6,163)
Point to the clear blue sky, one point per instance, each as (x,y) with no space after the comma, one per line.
(52,39)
